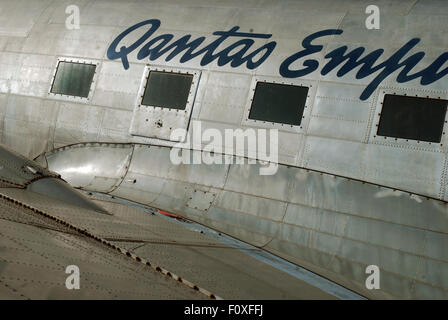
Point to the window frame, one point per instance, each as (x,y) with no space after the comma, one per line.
(69,97)
(403,142)
(275,125)
(170,74)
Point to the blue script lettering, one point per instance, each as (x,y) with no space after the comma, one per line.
(239,53)
(236,54)
(353,60)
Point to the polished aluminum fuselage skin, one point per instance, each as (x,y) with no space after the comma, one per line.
(343,198)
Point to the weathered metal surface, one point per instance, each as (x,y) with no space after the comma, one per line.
(78,236)
(35,252)
(18,171)
(58,189)
(101,171)
(154,121)
(337,134)
(332,225)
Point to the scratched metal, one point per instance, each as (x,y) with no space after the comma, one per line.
(18,171)
(338,137)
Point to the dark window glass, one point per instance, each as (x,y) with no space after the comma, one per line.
(412,118)
(278,103)
(167,90)
(73,79)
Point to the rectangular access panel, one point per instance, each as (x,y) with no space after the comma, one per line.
(167,90)
(165,103)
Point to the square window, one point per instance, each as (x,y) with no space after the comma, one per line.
(167,90)
(165,102)
(413,118)
(73,79)
(278,103)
